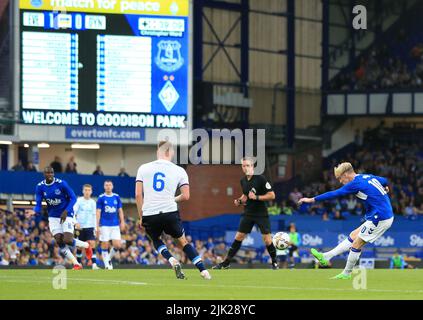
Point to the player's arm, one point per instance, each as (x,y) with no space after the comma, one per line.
(71,204)
(343,191)
(184,196)
(121,215)
(76,207)
(183,187)
(122,219)
(139,198)
(94,213)
(38,202)
(139,193)
(383,181)
(98,216)
(97,221)
(75,210)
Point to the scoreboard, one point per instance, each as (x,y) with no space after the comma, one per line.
(105,63)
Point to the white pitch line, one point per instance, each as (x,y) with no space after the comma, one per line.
(211,285)
(300,288)
(132,283)
(104,281)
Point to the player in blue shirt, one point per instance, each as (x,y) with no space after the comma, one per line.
(60,200)
(110,222)
(373,191)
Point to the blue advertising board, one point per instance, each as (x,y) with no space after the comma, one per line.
(407,239)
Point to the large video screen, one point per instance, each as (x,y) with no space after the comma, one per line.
(109,63)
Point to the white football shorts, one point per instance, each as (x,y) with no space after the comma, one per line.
(57,227)
(370,233)
(109,233)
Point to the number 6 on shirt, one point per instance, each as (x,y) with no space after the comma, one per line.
(158,184)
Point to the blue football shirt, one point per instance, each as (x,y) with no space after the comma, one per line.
(58,196)
(109,206)
(371,190)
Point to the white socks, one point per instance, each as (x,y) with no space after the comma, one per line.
(352,260)
(80,244)
(339,249)
(106,257)
(112,253)
(173,261)
(65,251)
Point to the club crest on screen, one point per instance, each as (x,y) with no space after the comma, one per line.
(169,96)
(169,57)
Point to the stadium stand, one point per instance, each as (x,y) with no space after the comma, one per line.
(28,242)
(401,163)
(124,185)
(404,175)
(394,61)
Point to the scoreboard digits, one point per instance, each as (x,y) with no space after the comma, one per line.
(94,58)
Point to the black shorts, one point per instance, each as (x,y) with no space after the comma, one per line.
(292,249)
(282,258)
(247,223)
(85,234)
(167,222)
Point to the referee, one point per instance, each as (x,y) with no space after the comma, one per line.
(255,191)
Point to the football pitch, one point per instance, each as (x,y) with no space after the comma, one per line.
(232,284)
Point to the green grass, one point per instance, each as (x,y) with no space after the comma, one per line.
(226,284)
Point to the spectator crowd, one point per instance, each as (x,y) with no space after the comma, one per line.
(377,71)
(401,164)
(28,241)
(394,64)
(57,165)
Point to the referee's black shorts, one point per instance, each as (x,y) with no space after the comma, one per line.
(167,222)
(247,223)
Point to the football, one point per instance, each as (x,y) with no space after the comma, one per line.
(281,240)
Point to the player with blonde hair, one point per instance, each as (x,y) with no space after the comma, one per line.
(373,191)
